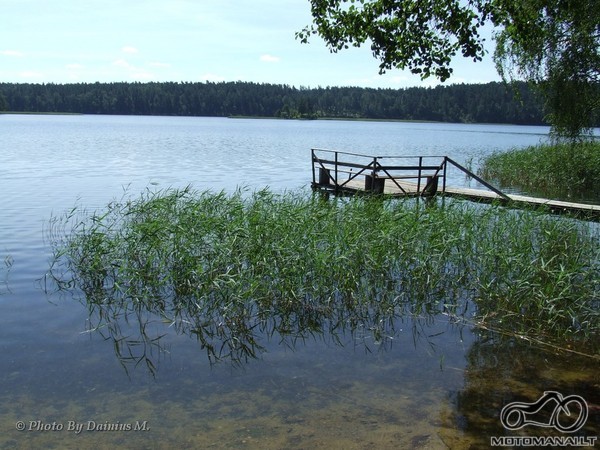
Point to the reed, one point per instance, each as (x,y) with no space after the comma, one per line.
(569,170)
(4,272)
(224,267)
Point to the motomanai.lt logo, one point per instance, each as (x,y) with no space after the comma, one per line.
(568,416)
(515,415)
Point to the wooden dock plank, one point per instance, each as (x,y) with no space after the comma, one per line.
(487,196)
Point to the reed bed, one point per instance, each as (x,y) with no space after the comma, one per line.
(229,268)
(569,170)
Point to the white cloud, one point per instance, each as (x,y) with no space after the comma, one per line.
(122,63)
(11,53)
(129,50)
(400,79)
(269,58)
(159,64)
(74,66)
(132,71)
(409,80)
(31,74)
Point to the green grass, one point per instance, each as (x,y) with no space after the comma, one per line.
(569,171)
(229,268)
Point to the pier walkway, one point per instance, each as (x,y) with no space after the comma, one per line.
(344,173)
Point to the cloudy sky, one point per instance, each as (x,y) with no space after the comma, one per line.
(66,41)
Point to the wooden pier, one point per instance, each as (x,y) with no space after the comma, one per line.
(344,173)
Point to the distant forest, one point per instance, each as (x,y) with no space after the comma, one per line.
(475,103)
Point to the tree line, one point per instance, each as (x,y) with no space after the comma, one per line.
(516,103)
(551,44)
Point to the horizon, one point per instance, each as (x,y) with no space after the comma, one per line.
(443,85)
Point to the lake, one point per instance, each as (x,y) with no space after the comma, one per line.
(436,383)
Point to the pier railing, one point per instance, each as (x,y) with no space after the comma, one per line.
(347,173)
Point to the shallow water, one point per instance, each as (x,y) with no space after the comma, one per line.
(436,384)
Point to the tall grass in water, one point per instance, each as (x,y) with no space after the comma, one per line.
(228,268)
(5,267)
(570,170)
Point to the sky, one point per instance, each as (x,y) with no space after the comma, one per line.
(86,41)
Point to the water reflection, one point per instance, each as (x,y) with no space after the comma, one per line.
(452,407)
(501,370)
(400,396)
(237,332)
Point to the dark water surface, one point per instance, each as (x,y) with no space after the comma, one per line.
(432,382)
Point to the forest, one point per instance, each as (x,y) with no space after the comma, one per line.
(516,103)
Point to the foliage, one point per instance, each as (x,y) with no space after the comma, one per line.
(551,43)
(3,102)
(556,45)
(403,34)
(456,103)
(569,170)
(234,270)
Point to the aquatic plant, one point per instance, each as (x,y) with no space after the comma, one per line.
(569,170)
(5,270)
(232,269)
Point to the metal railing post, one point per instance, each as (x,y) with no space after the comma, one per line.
(445,166)
(314,179)
(419,178)
(336,172)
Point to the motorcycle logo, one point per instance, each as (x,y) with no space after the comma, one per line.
(569,415)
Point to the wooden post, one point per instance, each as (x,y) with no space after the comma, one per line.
(324,177)
(431,187)
(375,184)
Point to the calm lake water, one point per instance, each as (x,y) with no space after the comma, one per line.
(436,384)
